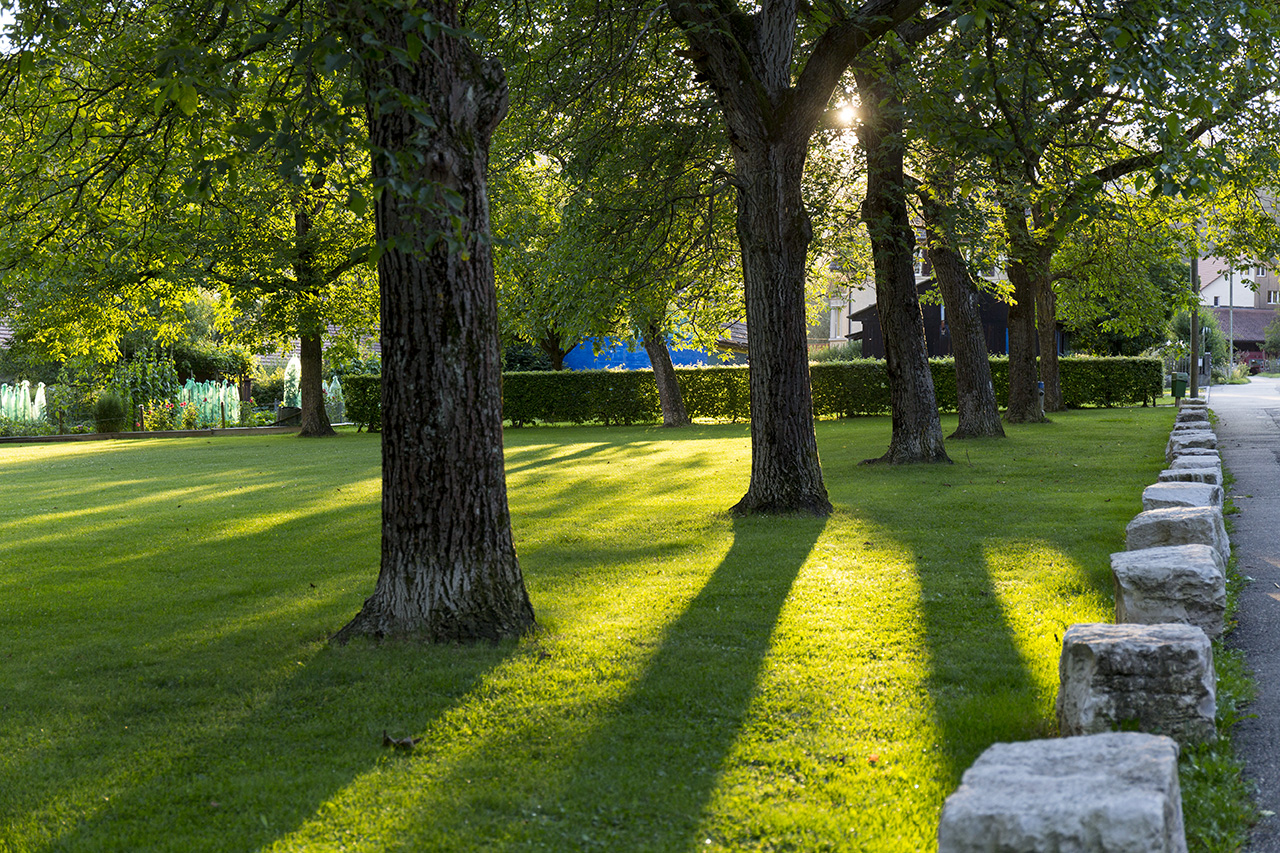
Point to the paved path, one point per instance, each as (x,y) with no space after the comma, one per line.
(1248,431)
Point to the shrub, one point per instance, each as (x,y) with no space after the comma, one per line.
(268,386)
(847,351)
(158,416)
(189,417)
(363,394)
(109,412)
(840,389)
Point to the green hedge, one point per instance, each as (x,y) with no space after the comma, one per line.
(363,396)
(840,389)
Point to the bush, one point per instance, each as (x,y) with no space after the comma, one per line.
(363,394)
(268,386)
(847,351)
(840,389)
(158,416)
(109,413)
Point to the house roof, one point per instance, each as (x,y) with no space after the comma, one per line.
(1244,324)
(734,337)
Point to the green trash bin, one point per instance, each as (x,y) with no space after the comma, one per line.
(1180,381)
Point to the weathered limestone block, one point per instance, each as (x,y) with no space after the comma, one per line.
(1176,583)
(1188,402)
(1179,525)
(1192,461)
(1194,438)
(1159,677)
(1192,413)
(1107,793)
(1192,426)
(1192,475)
(1209,455)
(1159,495)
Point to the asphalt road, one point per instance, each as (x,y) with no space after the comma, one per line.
(1248,432)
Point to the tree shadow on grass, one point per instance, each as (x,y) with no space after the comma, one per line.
(642,778)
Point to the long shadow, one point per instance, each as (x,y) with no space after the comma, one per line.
(682,715)
(221,733)
(982,686)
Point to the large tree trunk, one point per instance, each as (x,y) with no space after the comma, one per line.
(774,233)
(449,569)
(975,392)
(1024,396)
(550,345)
(917,431)
(670,398)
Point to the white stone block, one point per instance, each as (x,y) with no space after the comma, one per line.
(1158,678)
(1192,475)
(1192,426)
(1106,793)
(1185,460)
(1195,438)
(1192,413)
(1179,525)
(1208,455)
(1159,495)
(1177,583)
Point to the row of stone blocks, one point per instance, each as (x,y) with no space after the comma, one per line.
(1095,789)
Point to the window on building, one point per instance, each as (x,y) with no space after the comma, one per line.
(1273,297)
(1260,271)
(1215,301)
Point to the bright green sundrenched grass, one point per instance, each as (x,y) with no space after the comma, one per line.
(697,683)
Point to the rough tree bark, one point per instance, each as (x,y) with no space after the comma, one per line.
(449,570)
(1024,398)
(314,418)
(746,56)
(917,430)
(979,415)
(670,398)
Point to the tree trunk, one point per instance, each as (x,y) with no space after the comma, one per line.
(774,233)
(449,570)
(550,345)
(664,376)
(314,418)
(1047,326)
(975,392)
(1024,397)
(917,431)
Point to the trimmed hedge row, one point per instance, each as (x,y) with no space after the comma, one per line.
(840,389)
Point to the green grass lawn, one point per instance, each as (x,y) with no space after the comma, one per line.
(697,682)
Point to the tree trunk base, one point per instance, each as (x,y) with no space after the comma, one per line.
(901,456)
(374,624)
(1026,419)
(986,430)
(813,505)
(316,431)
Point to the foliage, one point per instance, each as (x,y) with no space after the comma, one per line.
(268,386)
(188,416)
(159,416)
(847,351)
(109,413)
(518,356)
(17,428)
(840,389)
(364,400)
(1271,345)
(1120,277)
(1214,341)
